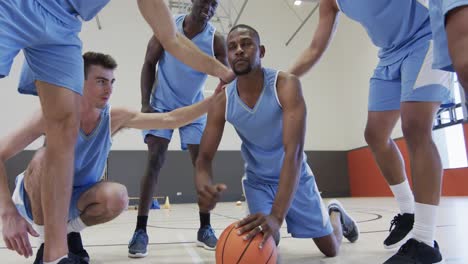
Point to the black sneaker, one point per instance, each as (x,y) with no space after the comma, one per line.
(71,259)
(349,226)
(415,252)
(400,228)
(75,246)
(39,255)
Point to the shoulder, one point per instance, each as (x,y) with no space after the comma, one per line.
(218,37)
(219,41)
(220,98)
(287,80)
(289,89)
(217,107)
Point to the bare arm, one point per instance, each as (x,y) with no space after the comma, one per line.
(328,12)
(219,47)
(125,118)
(210,142)
(208,194)
(153,54)
(11,145)
(15,228)
(158,16)
(294,122)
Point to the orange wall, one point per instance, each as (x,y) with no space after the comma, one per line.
(366,180)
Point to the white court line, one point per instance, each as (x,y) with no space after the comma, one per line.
(188,247)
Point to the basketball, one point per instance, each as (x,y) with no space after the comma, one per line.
(232,249)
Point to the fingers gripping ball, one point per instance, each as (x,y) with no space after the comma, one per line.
(232,249)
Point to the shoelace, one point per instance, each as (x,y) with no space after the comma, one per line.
(395,222)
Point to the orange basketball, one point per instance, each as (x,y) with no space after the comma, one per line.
(233,249)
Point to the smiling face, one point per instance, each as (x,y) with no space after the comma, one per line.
(98,85)
(244,50)
(203,10)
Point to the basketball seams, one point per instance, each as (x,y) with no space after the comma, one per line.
(238,251)
(225,242)
(271,255)
(245,250)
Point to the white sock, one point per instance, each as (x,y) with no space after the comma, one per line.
(404,197)
(40,230)
(56,261)
(425,216)
(75,225)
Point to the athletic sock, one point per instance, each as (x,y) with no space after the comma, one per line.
(404,197)
(425,216)
(142,222)
(204,219)
(75,225)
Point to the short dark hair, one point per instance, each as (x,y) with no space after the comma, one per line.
(99,59)
(253,30)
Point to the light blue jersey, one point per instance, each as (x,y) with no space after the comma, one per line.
(91,152)
(177,84)
(395,26)
(261,131)
(68,10)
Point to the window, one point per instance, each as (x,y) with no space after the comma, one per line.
(452,113)
(449,135)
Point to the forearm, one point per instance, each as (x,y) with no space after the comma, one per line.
(5,195)
(184,115)
(306,61)
(184,50)
(203,173)
(287,186)
(146,82)
(174,119)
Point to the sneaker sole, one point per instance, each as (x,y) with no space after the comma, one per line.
(137,255)
(203,245)
(334,201)
(400,243)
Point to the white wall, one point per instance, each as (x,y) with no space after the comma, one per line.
(335,91)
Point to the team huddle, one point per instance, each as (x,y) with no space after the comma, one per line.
(61,191)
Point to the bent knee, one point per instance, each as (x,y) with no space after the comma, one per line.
(375,139)
(116,198)
(416,132)
(331,252)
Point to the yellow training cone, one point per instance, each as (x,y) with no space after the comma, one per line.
(167,205)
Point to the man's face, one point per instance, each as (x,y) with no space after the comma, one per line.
(204,10)
(244,51)
(99,85)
